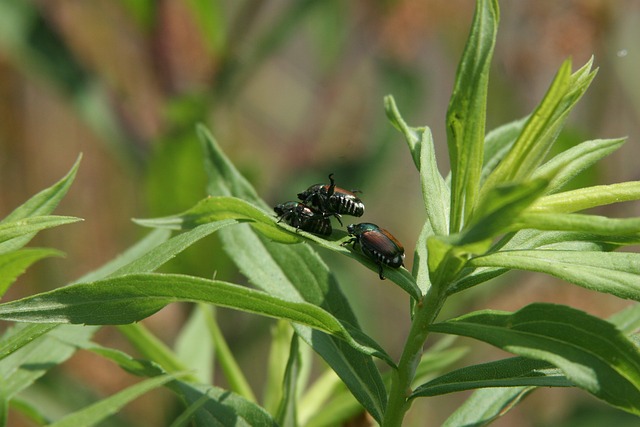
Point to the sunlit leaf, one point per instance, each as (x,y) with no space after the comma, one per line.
(586,198)
(616,273)
(127,299)
(591,352)
(296,273)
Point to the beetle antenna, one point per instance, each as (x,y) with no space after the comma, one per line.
(332,187)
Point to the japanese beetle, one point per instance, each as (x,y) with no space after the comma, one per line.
(377,244)
(302,217)
(332,200)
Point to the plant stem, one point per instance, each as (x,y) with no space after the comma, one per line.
(425,313)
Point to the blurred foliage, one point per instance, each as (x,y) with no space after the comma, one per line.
(293,90)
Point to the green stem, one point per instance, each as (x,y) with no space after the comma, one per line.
(425,314)
(237,381)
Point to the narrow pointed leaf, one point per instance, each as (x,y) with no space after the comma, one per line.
(106,407)
(627,320)
(20,335)
(596,228)
(13,264)
(138,250)
(194,346)
(497,144)
(127,299)
(22,367)
(420,269)
(586,198)
(615,273)
(543,126)
(279,351)
(221,407)
(467,111)
(590,351)
(46,200)
(31,225)
(40,204)
(499,209)
(411,134)
(139,367)
(512,372)
(235,377)
(287,414)
(435,191)
(167,250)
(486,405)
(566,165)
(220,208)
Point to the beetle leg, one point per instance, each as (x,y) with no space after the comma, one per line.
(339,220)
(351,240)
(380,272)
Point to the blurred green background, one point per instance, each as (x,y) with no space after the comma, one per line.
(293,91)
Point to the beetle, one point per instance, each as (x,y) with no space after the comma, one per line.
(377,244)
(332,200)
(303,217)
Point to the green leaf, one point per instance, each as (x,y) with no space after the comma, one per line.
(154,349)
(627,320)
(531,239)
(139,367)
(435,191)
(140,249)
(615,273)
(20,335)
(194,346)
(467,111)
(499,209)
(221,407)
(29,410)
(585,198)
(595,228)
(281,334)
(590,351)
(566,165)
(295,273)
(435,360)
(20,368)
(420,269)
(29,226)
(220,208)
(46,200)
(165,251)
(106,407)
(512,372)
(127,299)
(14,263)
(486,405)
(497,144)
(411,134)
(286,415)
(224,178)
(542,127)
